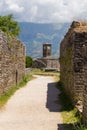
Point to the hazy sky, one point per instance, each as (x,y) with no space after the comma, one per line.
(45,11)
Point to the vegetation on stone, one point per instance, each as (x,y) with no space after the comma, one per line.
(73,62)
(9,25)
(80,127)
(71,117)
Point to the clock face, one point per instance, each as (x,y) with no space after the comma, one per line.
(48,47)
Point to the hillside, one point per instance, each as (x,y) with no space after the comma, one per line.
(34,35)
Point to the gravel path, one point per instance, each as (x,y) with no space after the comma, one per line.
(33,107)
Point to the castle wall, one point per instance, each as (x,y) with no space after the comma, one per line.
(73,64)
(49,64)
(66,63)
(12,62)
(85,84)
(71,60)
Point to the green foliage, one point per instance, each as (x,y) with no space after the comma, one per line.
(9,25)
(71,117)
(29,61)
(69,112)
(25,80)
(79,127)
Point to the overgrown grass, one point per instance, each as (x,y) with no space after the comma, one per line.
(79,127)
(4,98)
(71,118)
(42,72)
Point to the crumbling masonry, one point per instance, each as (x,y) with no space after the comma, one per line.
(73,64)
(12,62)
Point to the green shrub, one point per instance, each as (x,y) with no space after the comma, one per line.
(29,61)
(9,25)
(79,127)
(69,112)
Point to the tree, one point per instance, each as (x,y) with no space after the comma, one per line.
(29,61)
(9,25)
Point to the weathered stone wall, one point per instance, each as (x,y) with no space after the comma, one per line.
(12,62)
(73,64)
(72,60)
(85,83)
(47,63)
(85,98)
(66,63)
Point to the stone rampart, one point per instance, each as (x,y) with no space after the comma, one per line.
(12,62)
(73,64)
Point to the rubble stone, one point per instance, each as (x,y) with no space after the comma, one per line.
(12,62)
(73,64)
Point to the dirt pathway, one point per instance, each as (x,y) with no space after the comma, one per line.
(33,107)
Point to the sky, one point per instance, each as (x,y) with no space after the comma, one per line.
(45,11)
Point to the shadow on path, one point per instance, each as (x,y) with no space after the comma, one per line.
(52,98)
(65,127)
(53,104)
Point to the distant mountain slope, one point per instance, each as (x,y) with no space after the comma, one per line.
(34,35)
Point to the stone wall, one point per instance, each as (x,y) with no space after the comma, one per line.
(73,64)
(85,84)
(66,63)
(48,63)
(12,62)
(72,60)
(85,98)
